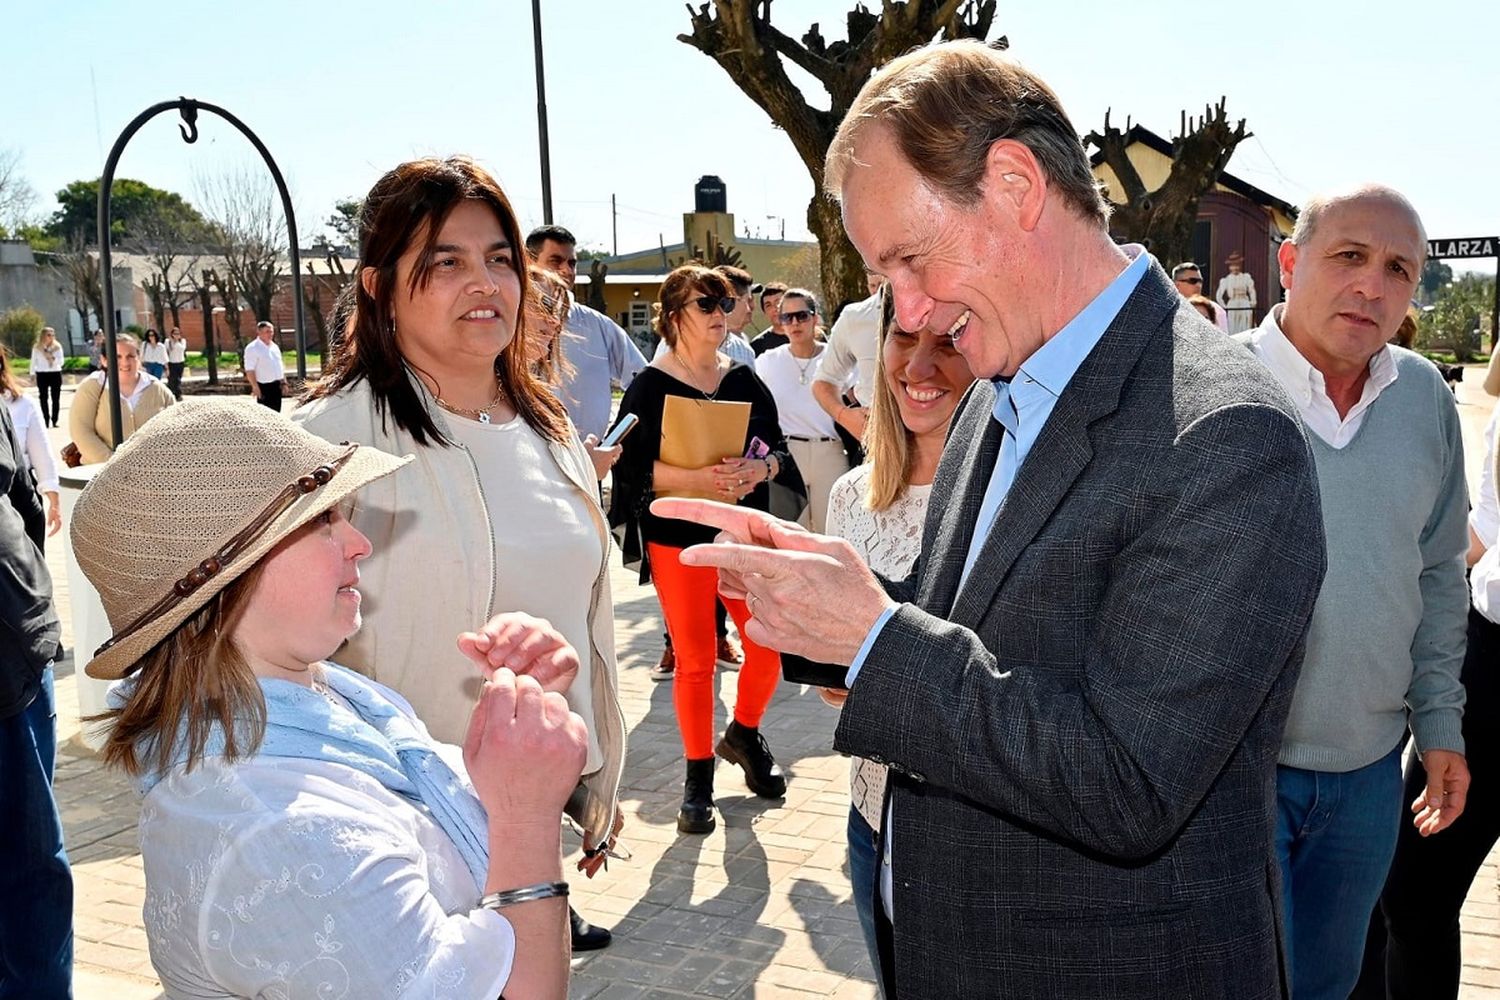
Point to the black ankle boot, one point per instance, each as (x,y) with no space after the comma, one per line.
(697,812)
(747,747)
(587,937)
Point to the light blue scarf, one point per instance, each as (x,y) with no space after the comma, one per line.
(377,739)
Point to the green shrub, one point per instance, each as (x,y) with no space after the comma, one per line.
(19,328)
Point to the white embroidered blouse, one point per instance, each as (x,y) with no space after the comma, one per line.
(889,541)
(282,877)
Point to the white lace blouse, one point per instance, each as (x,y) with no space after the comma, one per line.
(286,878)
(889,540)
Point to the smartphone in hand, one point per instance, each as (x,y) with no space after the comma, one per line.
(617,433)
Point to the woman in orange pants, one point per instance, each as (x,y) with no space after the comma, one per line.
(690,317)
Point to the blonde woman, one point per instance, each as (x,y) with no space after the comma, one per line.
(46,372)
(879,508)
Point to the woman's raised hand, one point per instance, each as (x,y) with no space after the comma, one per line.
(524,751)
(527,646)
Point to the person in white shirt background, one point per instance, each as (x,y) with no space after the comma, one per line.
(846,369)
(176,360)
(264,369)
(154,355)
(46,372)
(788,372)
(27,418)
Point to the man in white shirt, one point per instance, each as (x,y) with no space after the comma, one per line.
(853,347)
(1386,643)
(599,351)
(264,369)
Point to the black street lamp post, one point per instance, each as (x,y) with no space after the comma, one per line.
(189,108)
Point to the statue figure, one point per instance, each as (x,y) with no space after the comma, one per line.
(1237,294)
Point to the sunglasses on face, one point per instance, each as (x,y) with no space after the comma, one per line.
(709,304)
(800,316)
(1191,281)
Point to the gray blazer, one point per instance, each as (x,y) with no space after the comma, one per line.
(1083,740)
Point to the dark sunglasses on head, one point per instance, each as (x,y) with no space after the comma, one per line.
(796,317)
(707,304)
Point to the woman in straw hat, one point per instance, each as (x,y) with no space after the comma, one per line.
(500,508)
(302,833)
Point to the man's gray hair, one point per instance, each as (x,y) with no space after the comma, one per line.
(947,104)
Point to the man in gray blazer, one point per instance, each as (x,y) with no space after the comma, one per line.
(1081,690)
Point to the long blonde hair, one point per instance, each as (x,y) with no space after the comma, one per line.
(887,442)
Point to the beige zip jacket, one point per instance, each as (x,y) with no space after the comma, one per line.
(432,575)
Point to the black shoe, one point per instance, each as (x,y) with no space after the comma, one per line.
(697,812)
(587,937)
(747,747)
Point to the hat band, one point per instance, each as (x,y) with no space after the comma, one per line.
(214,564)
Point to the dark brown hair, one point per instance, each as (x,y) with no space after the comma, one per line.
(9,385)
(683,285)
(409,203)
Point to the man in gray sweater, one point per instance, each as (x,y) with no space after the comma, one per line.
(1387,636)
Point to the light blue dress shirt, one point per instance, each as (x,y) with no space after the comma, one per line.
(1022,405)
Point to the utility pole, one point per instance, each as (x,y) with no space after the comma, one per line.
(541,113)
(614,227)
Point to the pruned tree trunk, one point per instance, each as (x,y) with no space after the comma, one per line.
(1162,220)
(739,36)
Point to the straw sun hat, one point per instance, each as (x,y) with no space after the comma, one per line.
(190,502)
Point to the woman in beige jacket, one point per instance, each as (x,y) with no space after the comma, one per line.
(141,397)
(500,509)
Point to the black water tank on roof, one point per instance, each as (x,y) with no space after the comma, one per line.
(708,195)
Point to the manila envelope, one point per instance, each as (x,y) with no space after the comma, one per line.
(700,432)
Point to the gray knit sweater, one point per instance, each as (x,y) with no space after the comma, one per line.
(1387,635)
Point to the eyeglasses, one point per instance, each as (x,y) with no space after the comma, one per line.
(800,316)
(708,304)
(1191,281)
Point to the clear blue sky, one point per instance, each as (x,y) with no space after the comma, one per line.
(1334,90)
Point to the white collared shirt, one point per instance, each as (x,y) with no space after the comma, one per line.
(1307,387)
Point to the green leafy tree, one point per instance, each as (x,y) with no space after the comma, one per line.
(343,224)
(19,329)
(133,204)
(1457,317)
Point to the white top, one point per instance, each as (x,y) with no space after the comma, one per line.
(154,354)
(547,547)
(1306,386)
(177,350)
(264,360)
(283,877)
(790,380)
(47,361)
(853,347)
(889,541)
(1236,290)
(1484,520)
(27,417)
(142,380)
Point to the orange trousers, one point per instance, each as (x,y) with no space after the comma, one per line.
(688,595)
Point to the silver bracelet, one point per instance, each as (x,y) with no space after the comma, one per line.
(510,897)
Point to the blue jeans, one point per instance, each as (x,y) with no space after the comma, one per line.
(1335,836)
(864,869)
(36,887)
(156,368)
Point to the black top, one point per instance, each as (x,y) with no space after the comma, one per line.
(634,473)
(767,340)
(29,629)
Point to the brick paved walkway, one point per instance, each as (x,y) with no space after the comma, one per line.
(760,908)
